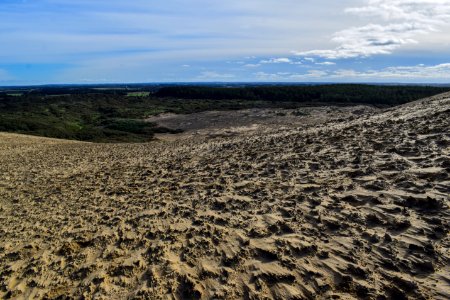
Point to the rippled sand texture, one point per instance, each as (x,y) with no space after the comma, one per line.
(352,208)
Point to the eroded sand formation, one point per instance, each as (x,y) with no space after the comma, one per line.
(351,208)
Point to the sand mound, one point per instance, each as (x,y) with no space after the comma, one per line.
(351,208)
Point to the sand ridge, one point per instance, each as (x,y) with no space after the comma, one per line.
(345,209)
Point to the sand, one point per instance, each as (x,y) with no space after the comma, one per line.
(212,124)
(348,208)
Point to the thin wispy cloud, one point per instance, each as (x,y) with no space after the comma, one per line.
(212,75)
(252,65)
(280,60)
(326,63)
(441,71)
(398,73)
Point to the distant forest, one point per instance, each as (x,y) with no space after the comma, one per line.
(117,114)
(341,94)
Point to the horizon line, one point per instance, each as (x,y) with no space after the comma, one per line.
(222,82)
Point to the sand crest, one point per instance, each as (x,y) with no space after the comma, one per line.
(349,208)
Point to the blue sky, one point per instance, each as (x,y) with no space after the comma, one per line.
(99,41)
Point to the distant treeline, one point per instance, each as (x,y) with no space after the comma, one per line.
(338,93)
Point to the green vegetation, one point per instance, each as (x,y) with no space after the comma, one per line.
(338,93)
(138,94)
(91,117)
(111,114)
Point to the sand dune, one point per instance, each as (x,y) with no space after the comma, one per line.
(348,208)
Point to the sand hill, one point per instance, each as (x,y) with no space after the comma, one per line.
(350,208)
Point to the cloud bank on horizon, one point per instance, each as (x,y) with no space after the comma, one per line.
(61,41)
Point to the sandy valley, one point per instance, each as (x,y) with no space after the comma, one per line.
(335,203)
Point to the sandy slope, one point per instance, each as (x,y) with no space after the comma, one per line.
(355,208)
(230,123)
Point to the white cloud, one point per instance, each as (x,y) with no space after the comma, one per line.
(370,40)
(326,63)
(420,11)
(418,73)
(281,60)
(212,75)
(409,19)
(317,73)
(252,65)
(267,76)
(311,75)
(440,71)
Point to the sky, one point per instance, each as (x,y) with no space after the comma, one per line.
(138,41)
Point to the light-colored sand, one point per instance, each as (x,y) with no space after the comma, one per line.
(213,124)
(351,208)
